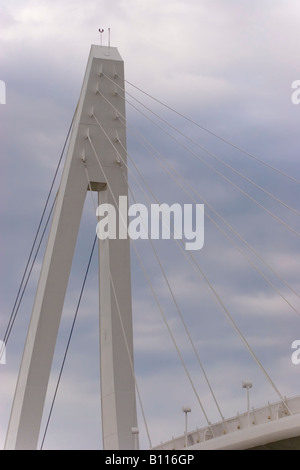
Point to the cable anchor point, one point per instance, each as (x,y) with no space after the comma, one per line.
(83,157)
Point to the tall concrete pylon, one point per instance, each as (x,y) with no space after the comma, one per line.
(90,153)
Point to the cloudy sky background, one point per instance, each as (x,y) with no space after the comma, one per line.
(229,66)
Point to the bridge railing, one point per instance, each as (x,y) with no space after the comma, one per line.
(239,422)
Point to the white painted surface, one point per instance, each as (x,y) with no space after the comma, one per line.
(118,388)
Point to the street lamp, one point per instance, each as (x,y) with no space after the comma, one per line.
(186,410)
(247,386)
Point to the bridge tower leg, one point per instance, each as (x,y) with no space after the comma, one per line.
(90,151)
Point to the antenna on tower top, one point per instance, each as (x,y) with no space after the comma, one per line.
(108,37)
(101,31)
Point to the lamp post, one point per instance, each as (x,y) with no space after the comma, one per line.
(135,436)
(186,410)
(247,386)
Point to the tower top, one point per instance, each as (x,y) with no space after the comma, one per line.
(105,52)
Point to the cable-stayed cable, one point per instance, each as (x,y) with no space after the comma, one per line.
(274,216)
(215,157)
(28,268)
(142,138)
(183,185)
(224,308)
(68,343)
(234,325)
(159,306)
(295,180)
(121,321)
(212,155)
(186,184)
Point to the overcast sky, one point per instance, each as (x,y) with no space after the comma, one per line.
(227,65)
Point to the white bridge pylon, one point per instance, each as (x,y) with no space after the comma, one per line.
(91,154)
